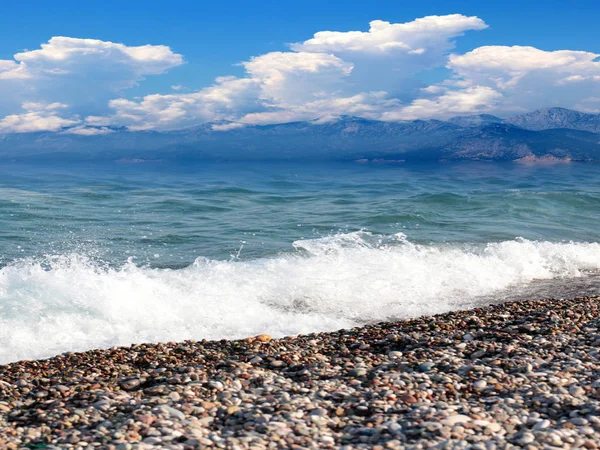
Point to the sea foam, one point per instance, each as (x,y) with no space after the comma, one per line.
(72,303)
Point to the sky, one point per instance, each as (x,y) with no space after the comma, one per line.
(87,67)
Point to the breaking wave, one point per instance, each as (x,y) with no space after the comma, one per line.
(71,302)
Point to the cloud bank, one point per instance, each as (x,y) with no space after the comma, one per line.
(81,84)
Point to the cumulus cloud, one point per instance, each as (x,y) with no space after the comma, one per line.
(471,100)
(37,117)
(11,70)
(368,105)
(88,131)
(373,74)
(504,79)
(331,74)
(227,126)
(416,37)
(84,73)
(389,55)
(222,101)
(61,53)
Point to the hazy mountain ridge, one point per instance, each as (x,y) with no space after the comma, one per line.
(550,118)
(552,132)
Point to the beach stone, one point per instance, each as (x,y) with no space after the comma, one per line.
(426,366)
(130,384)
(480,385)
(345,389)
(408,398)
(172,412)
(542,425)
(579,421)
(526,438)
(494,427)
(102,405)
(576,391)
(146,419)
(453,420)
(233,409)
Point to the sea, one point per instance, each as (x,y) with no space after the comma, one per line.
(96,255)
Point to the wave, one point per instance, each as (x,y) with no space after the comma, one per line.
(71,302)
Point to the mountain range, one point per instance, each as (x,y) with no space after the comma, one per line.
(549,134)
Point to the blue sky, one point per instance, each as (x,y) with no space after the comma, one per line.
(212,40)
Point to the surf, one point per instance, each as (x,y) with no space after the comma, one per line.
(73,302)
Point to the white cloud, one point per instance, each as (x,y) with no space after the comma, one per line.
(65,55)
(88,131)
(288,78)
(37,106)
(416,37)
(227,126)
(471,100)
(389,55)
(334,73)
(504,80)
(37,117)
(372,74)
(368,105)
(225,100)
(84,73)
(11,70)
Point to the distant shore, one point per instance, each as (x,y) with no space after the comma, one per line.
(524,374)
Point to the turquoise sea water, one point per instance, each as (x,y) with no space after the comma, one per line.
(94,256)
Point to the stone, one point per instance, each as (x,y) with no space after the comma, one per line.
(456,419)
(426,366)
(172,412)
(480,385)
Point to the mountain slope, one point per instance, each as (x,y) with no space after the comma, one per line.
(550,118)
(552,132)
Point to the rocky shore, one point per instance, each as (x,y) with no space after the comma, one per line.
(517,375)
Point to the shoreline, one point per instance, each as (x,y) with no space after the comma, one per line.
(518,374)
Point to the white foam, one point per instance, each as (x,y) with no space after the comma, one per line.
(69,303)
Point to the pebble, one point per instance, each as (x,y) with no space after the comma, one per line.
(426,367)
(542,425)
(130,384)
(527,438)
(516,375)
(453,420)
(480,385)
(172,412)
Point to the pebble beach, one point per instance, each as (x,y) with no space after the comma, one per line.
(516,375)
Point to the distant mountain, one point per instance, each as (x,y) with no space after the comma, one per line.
(552,132)
(550,118)
(508,142)
(475,121)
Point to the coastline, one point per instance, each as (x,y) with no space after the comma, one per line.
(519,374)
